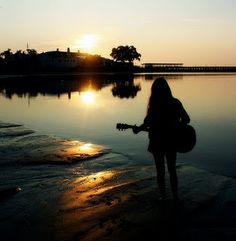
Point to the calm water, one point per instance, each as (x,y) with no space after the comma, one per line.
(87,108)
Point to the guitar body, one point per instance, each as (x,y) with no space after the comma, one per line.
(185,136)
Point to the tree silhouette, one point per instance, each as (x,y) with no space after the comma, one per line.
(125,89)
(6,54)
(31,52)
(19,53)
(125,54)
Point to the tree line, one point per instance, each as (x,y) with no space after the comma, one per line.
(31,61)
(119,54)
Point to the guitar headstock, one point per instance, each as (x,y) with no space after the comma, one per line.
(121,126)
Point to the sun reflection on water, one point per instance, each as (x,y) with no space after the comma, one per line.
(86,147)
(88,97)
(83,150)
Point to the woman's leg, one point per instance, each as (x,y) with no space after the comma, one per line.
(160,168)
(171,164)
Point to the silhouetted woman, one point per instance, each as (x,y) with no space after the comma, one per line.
(164,113)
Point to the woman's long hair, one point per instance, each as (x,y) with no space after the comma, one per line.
(160,94)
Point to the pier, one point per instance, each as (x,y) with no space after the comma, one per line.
(179,67)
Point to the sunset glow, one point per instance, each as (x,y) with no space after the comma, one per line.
(87,43)
(191,32)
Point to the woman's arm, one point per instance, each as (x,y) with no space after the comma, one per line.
(142,127)
(137,129)
(184,117)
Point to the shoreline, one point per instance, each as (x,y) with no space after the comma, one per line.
(22,75)
(134,70)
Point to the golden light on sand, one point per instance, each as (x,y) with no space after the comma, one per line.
(87,43)
(86,147)
(74,151)
(95,183)
(88,97)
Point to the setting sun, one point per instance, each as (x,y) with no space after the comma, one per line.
(87,42)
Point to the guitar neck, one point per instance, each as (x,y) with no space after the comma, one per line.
(122,126)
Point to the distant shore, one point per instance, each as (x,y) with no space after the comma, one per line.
(190,69)
(131,70)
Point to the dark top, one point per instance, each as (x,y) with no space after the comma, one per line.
(162,122)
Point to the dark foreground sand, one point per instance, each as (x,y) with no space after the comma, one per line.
(94,209)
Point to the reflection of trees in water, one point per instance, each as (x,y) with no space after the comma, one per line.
(125,89)
(48,85)
(32,86)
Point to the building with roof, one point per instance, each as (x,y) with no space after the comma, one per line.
(61,59)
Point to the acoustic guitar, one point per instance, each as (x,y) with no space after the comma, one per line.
(184,135)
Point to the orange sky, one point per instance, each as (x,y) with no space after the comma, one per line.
(193,32)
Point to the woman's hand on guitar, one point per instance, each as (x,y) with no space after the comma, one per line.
(136,129)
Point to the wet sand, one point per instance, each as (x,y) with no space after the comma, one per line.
(118,209)
(130,210)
